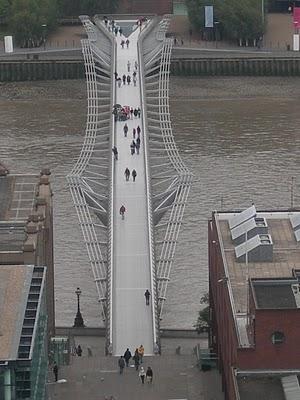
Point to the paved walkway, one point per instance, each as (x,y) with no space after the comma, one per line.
(176,377)
(132,319)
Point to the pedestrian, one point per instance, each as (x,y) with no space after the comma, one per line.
(136,359)
(121,363)
(90,353)
(138,140)
(135,65)
(134,74)
(128,79)
(127,43)
(134,174)
(122,44)
(137,147)
(127,357)
(115,151)
(116,30)
(139,112)
(124,79)
(55,371)
(125,129)
(147,296)
(131,113)
(138,130)
(141,353)
(116,75)
(149,375)
(142,375)
(133,133)
(135,112)
(79,351)
(120,31)
(128,66)
(122,211)
(134,80)
(105,21)
(127,174)
(119,80)
(132,147)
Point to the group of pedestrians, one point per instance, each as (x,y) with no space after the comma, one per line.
(123,42)
(138,360)
(127,174)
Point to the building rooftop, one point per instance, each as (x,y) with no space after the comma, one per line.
(254,387)
(285,259)
(275,294)
(14,288)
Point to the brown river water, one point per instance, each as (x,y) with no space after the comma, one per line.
(239,136)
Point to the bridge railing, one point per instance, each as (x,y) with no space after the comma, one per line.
(88,178)
(155,318)
(170,178)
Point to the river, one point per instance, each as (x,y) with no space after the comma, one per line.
(239,136)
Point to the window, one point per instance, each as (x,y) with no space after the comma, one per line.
(277,337)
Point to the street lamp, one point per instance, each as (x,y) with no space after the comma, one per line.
(44,26)
(78,322)
(216,23)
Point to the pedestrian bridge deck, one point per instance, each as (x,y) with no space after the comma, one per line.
(132,320)
(131,255)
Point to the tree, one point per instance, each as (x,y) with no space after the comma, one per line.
(238,19)
(27,18)
(203,321)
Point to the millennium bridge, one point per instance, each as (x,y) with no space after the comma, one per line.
(131,255)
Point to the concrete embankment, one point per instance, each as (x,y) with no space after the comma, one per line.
(51,69)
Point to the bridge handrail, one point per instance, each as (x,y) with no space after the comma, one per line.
(161,116)
(109,330)
(148,190)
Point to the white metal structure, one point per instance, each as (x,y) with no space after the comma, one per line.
(131,255)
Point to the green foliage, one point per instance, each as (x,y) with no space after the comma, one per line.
(4,8)
(238,19)
(27,18)
(203,321)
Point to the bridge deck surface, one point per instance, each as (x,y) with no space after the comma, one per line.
(132,319)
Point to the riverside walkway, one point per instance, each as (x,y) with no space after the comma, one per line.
(129,256)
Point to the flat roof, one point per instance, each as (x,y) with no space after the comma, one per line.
(286,257)
(275,295)
(254,387)
(14,288)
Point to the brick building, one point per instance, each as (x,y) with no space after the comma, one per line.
(26,227)
(254,271)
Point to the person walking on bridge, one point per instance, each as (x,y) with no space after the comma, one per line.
(124,79)
(127,356)
(136,359)
(121,363)
(147,297)
(138,131)
(125,129)
(134,174)
(141,353)
(149,375)
(142,374)
(115,151)
(128,79)
(128,66)
(127,174)
(122,211)
(127,43)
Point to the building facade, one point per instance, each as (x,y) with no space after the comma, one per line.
(254,258)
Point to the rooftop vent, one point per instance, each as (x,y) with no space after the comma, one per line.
(259,249)
(295,221)
(291,387)
(242,217)
(296,292)
(249,229)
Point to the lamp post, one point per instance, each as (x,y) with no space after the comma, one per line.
(216,23)
(44,26)
(78,322)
